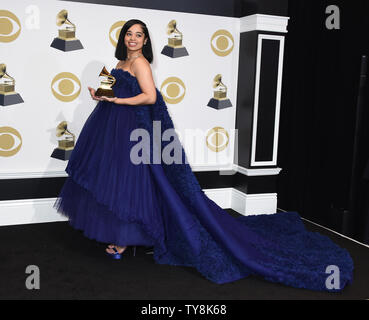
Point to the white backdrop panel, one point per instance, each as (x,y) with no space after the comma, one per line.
(33,63)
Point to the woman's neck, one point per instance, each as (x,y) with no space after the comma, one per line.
(133,54)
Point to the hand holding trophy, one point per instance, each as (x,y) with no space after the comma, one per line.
(105,91)
(92,93)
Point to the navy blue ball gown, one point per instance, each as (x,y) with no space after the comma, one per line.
(162,205)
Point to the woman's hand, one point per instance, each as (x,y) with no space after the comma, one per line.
(104,98)
(92,93)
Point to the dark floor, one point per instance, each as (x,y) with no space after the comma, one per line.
(74,267)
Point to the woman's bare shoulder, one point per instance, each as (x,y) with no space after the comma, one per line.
(140,64)
(119,64)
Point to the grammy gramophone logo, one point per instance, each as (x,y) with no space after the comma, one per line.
(173,90)
(66,41)
(219,99)
(7,86)
(114,32)
(222,43)
(174,48)
(217,139)
(66,145)
(10,141)
(10,26)
(65,86)
(106,85)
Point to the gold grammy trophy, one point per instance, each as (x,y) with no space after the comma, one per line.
(7,86)
(174,49)
(106,85)
(219,100)
(66,41)
(66,146)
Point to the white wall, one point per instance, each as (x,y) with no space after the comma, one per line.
(34,64)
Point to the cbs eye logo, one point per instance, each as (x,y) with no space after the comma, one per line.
(10,26)
(222,43)
(66,86)
(217,139)
(115,31)
(173,90)
(10,141)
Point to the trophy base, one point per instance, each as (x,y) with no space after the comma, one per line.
(61,154)
(104,92)
(9,99)
(66,45)
(174,52)
(219,104)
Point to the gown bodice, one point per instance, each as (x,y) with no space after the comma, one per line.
(127,85)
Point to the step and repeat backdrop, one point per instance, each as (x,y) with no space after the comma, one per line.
(51,51)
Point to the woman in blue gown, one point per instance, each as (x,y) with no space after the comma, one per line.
(124,203)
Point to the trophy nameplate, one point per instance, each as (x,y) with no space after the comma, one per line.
(65,146)
(219,100)
(7,88)
(8,96)
(174,48)
(67,34)
(66,41)
(105,88)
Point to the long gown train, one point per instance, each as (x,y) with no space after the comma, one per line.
(162,205)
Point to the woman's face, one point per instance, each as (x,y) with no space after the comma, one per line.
(134,38)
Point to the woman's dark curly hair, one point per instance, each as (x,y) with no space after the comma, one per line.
(121,49)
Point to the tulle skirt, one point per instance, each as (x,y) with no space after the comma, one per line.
(106,195)
(116,201)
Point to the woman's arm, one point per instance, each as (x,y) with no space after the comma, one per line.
(142,70)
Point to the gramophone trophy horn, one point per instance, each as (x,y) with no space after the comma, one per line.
(65,146)
(105,88)
(4,75)
(171,26)
(66,41)
(62,129)
(62,18)
(217,80)
(172,29)
(219,100)
(7,86)
(174,48)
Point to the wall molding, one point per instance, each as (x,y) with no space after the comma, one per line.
(28,211)
(32,175)
(251,172)
(195,168)
(253,204)
(63,174)
(14,212)
(264,22)
(273,161)
(221,196)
